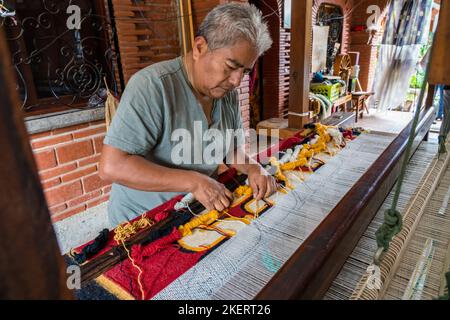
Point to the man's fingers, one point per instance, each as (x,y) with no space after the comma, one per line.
(229,194)
(269,189)
(225,201)
(262,189)
(208,205)
(219,206)
(272,186)
(254,187)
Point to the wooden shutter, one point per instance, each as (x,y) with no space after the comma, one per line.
(147,32)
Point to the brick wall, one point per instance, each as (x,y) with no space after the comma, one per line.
(67,158)
(67,161)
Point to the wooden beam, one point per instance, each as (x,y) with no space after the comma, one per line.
(31,266)
(186,26)
(301,44)
(440,68)
(312,268)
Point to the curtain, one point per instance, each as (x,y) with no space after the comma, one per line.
(407,29)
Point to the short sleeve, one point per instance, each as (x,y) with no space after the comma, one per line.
(137,124)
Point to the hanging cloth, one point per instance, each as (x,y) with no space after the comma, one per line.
(407,29)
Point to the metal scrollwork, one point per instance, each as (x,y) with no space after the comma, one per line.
(65,66)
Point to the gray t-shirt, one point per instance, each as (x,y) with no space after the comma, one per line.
(160,119)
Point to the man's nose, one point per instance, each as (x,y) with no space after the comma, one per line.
(236,77)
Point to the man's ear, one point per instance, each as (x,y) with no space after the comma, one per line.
(200,47)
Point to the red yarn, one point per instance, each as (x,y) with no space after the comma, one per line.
(157,214)
(139,252)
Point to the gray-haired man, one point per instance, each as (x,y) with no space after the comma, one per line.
(194,93)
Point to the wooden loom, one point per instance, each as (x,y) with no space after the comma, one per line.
(324,252)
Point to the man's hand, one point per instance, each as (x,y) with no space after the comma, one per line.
(261,182)
(211,194)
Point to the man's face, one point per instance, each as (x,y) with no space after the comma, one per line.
(219,71)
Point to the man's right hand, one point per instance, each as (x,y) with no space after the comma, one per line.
(211,194)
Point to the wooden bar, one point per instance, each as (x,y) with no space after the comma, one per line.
(312,268)
(31,266)
(301,44)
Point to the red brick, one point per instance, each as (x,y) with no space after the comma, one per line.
(74,151)
(89,132)
(98,142)
(69,129)
(66,214)
(45,159)
(40,135)
(57,209)
(78,174)
(244,90)
(91,160)
(93,182)
(63,193)
(243,96)
(84,198)
(106,189)
(244,102)
(95,123)
(41,143)
(50,183)
(96,202)
(57,171)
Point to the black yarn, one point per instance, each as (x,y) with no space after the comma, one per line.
(91,249)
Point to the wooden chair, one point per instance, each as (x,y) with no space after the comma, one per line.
(359,103)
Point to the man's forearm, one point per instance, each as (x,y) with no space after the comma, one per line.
(138,173)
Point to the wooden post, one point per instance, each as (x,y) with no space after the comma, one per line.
(186,24)
(440,68)
(301,34)
(31,266)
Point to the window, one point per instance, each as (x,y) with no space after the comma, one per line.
(57,67)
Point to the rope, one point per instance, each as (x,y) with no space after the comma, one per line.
(393,219)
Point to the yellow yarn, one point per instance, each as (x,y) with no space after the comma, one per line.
(244,220)
(279,174)
(305,152)
(226,233)
(243,190)
(294,164)
(204,219)
(125,231)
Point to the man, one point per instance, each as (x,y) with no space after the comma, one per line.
(138,153)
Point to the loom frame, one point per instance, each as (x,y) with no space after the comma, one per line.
(310,271)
